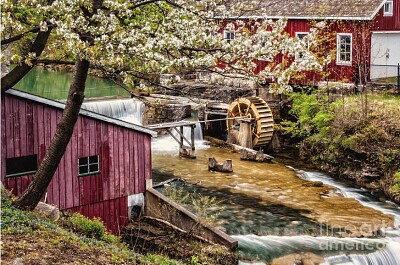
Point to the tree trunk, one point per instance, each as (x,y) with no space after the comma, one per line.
(10,79)
(55,152)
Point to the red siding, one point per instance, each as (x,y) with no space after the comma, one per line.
(125,159)
(114,213)
(388,23)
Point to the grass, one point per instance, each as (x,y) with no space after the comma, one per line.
(387,80)
(28,238)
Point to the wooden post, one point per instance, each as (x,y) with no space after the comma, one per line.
(245,137)
(181,138)
(213,165)
(192,128)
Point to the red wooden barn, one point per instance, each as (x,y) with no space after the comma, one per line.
(364,35)
(103,171)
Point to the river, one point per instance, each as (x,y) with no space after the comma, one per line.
(55,85)
(277,213)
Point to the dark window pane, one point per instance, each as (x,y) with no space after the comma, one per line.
(83,170)
(94,168)
(20,165)
(93,159)
(83,161)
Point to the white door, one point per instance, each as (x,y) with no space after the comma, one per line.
(385,54)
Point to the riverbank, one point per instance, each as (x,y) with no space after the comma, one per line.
(32,238)
(355,138)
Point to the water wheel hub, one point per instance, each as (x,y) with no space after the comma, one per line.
(254,111)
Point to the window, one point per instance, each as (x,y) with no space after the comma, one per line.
(388,8)
(301,36)
(88,165)
(344,48)
(229,36)
(23,165)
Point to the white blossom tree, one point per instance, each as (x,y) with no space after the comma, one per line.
(139,40)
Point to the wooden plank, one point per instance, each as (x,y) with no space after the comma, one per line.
(41,133)
(74,189)
(12,185)
(80,138)
(9,128)
(35,132)
(141,181)
(121,161)
(131,169)
(30,129)
(23,131)
(96,207)
(106,213)
(90,211)
(67,201)
(16,129)
(4,139)
(56,181)
(123,213)
(87,189)
(105,162)
(147,156)
(18,183)
(126,162)
(136,162)
(116,186)
(98,134)
(113,143)
(24,182)
(81,191)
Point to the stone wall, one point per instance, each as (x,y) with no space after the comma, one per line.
(161,112)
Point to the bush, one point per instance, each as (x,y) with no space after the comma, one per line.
(91,228)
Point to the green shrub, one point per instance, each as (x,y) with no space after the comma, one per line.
(90,228)
(311,116)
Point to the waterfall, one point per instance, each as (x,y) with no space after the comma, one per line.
(388,256)
(128,110)
(270,247)
(167,144)
(198,133)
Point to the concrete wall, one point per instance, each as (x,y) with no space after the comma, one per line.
(159,206)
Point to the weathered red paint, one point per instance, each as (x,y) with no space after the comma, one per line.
(361,31)
(125,160)
(388,23)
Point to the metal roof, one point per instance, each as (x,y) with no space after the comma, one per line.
(82,112)
(312,9)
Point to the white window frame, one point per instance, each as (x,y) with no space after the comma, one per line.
(228,34)
(388,8)
(338,52)
(299,57)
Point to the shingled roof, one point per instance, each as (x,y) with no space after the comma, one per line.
(314,9)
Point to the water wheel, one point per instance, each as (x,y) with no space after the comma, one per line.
(255,111)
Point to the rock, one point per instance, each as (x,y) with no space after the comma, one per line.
(297,259)
(313,184)
(49,211)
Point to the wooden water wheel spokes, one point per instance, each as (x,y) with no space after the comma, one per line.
(260,115)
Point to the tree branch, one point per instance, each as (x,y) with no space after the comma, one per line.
(18,37)
(10,79)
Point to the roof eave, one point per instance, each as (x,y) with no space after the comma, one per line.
(83,112)
(301,17)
